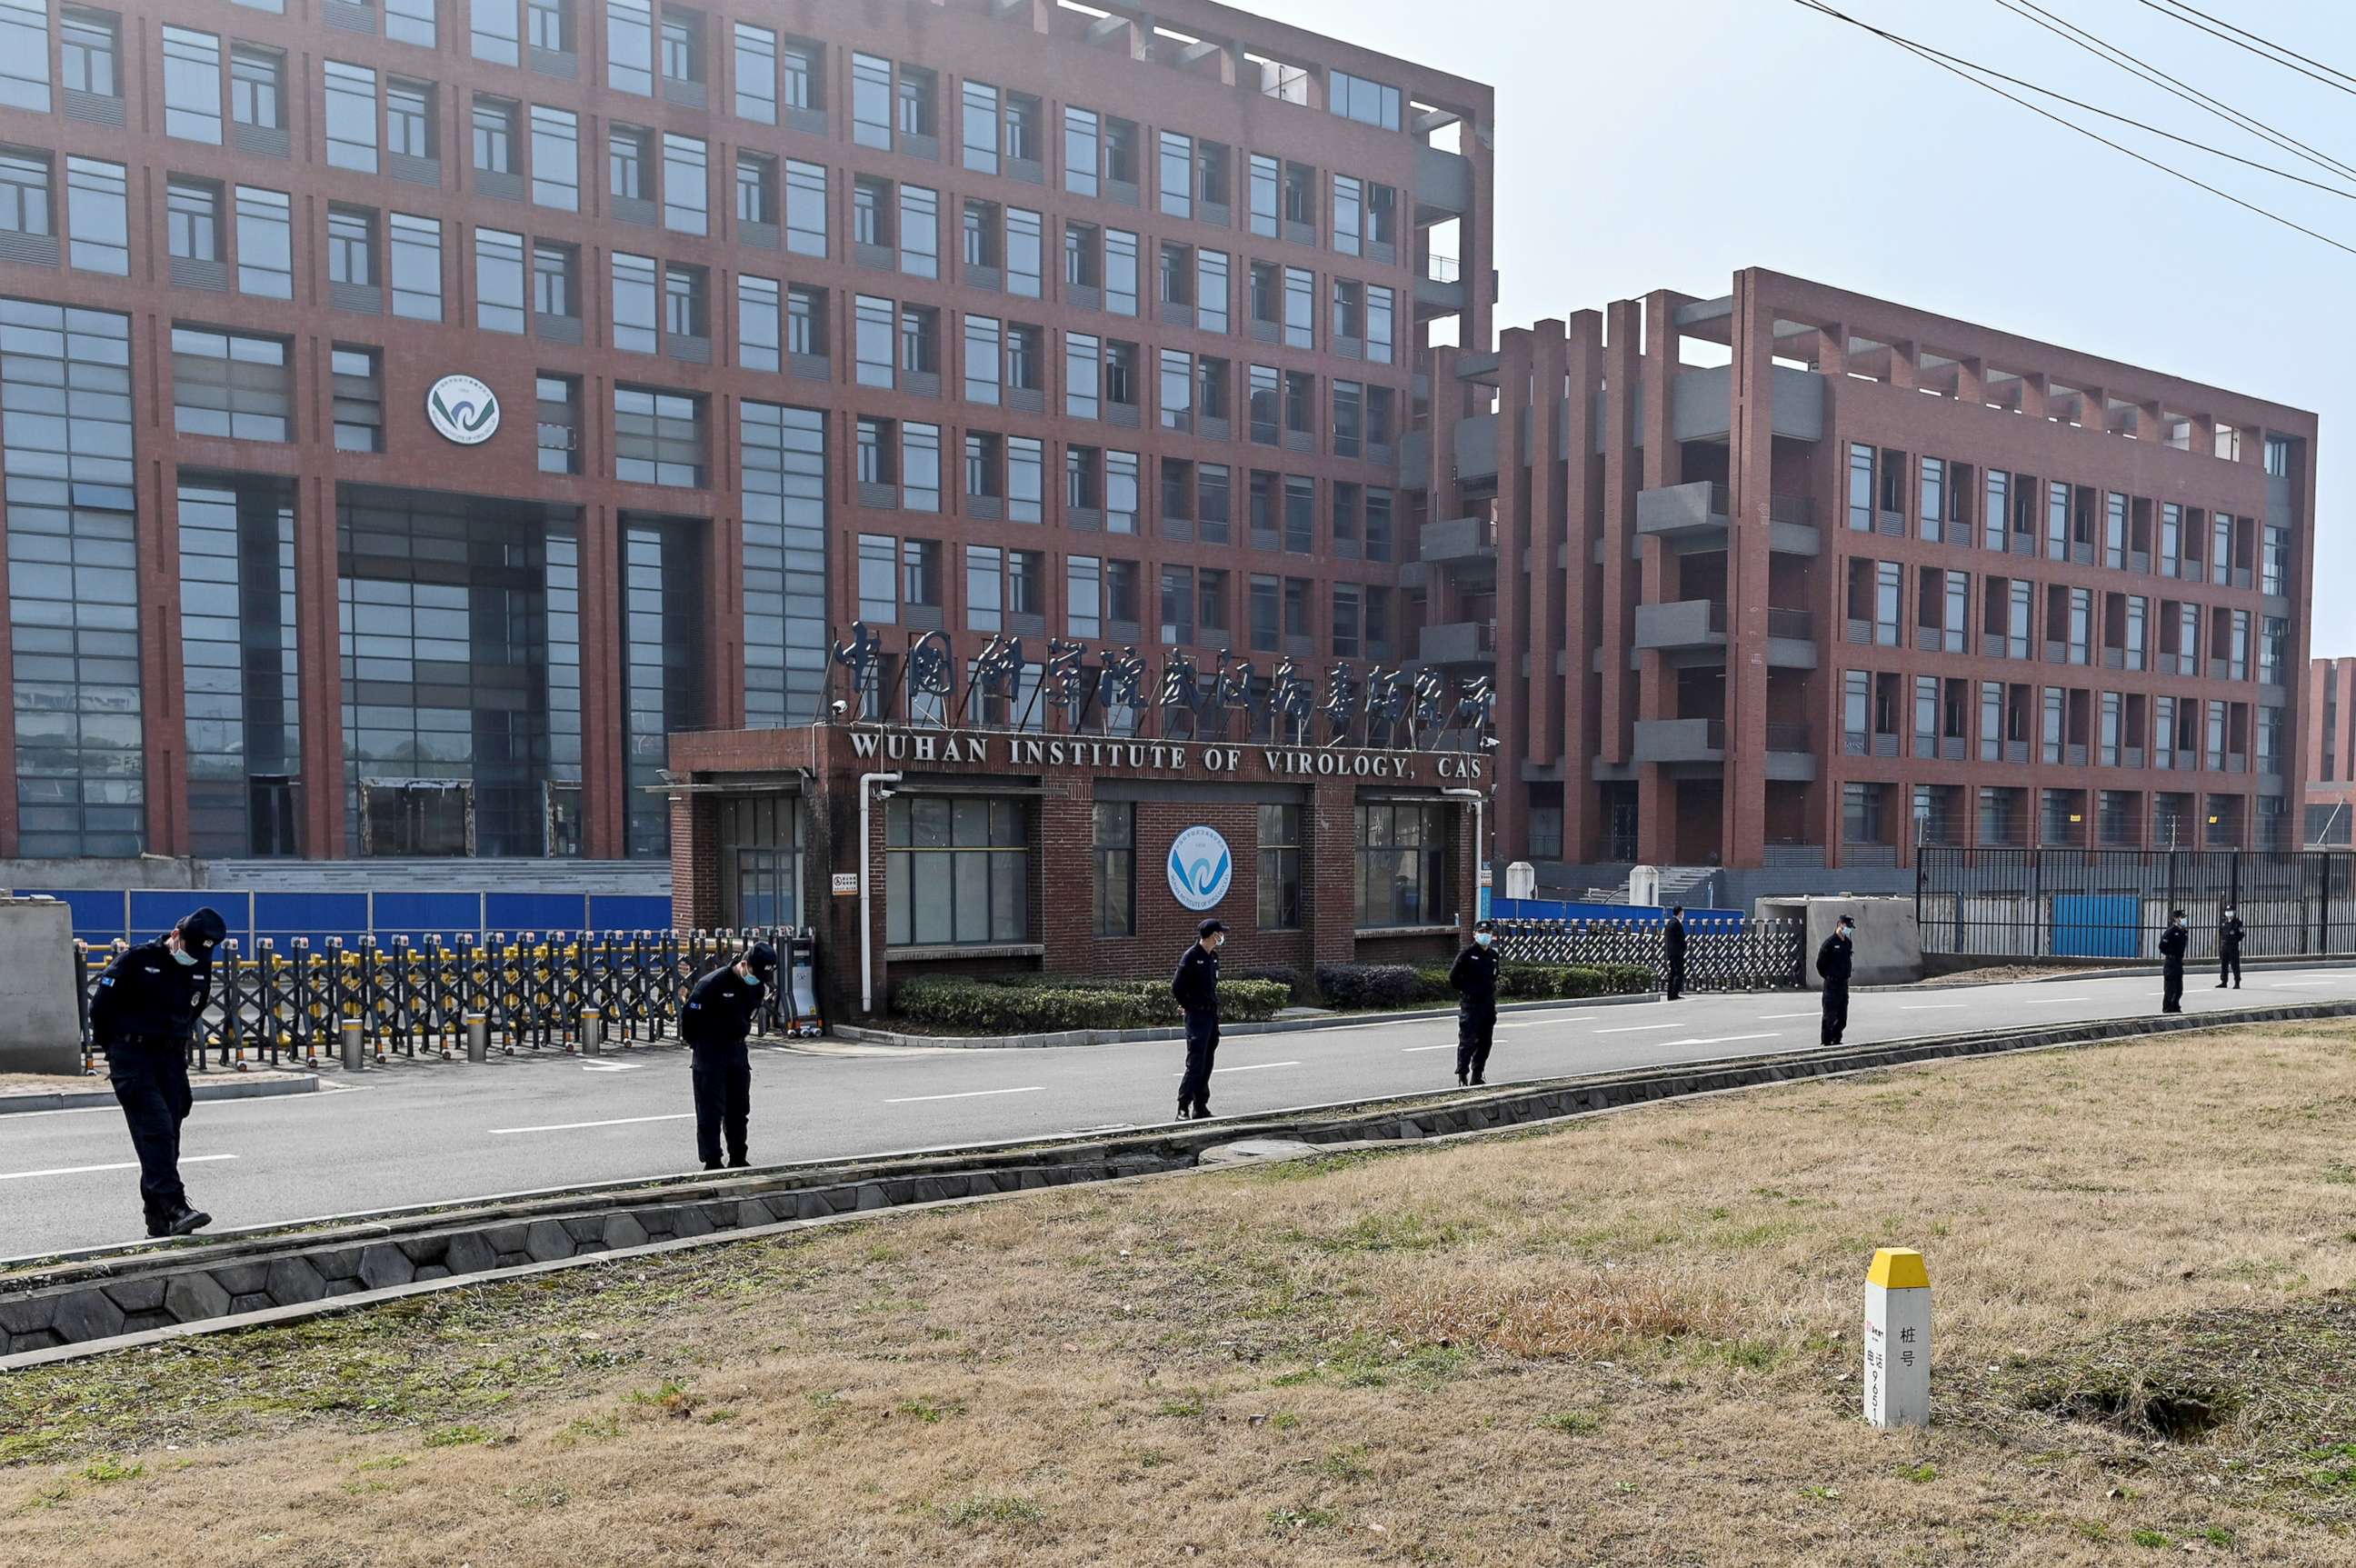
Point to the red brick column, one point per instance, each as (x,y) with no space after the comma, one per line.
(1330,877)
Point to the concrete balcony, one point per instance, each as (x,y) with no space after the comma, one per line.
(1465,544)
(1457,643)
(1696,516)
(1476,448)
(1443,181)
(1683,625)
(1680,741)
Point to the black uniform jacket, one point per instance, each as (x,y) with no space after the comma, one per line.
(1474,976)
(1832,959)
(1197,983)
(148,997)
(719,1015)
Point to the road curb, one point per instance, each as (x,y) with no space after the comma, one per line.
(144,1294)
(860,1034)
(79,1098)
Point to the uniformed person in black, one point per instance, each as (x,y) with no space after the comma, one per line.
(2230,932)
(1196,987)
(1832,967)
(1673,950)
(147,1002)
(1474,976)
(2172,943)
(718,1015)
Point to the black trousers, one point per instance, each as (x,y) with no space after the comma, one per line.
(1835,1011)
(2171,987)
(723,1104)
(1677,983)
(1202,1045)
(1476,1030)
(2228,967)
(152,1084)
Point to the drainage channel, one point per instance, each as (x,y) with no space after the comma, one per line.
(138,1295)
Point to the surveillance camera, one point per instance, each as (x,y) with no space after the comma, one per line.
(840,707)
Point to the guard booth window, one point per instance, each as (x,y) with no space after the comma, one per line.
(957,871)
(1401,850)
(760,862)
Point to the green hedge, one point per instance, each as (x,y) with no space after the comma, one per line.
(1032,1004)
(1387,985)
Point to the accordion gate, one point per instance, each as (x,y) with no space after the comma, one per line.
(1720,955)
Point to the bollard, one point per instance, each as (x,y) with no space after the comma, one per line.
(353,1061)
(1898,1340)
(479,1037)
(593,1031)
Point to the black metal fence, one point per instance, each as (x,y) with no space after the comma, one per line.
(1739,953)
(532,992)
(2074,903)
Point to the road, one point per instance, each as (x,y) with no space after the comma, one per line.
(437,1131)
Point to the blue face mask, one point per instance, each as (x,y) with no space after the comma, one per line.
(184,956)
(1483,937)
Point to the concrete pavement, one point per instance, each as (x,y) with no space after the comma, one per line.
(443,1131)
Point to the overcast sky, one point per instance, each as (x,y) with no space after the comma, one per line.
(1665,143)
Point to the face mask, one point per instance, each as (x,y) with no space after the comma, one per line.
(183,956)
(1483,937)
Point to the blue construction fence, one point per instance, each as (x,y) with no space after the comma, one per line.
(137,914)
(1573,909)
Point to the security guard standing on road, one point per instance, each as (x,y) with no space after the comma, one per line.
(2230,931)
(1196,987)
(2172,943)
(147,1002)
(718,1015)
(1474,977)
(1832,967)
(1673,950)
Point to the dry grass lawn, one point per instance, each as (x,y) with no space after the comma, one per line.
(1632,1341)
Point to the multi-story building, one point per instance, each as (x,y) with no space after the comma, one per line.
(1794,579)
(2329,754)
(980,317)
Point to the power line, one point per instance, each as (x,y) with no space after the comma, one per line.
(2110,54)
(1919,53)
(1929,50)
(2347,84)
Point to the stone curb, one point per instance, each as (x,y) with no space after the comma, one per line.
(2193,968)
(77,1099)
(94,1307)
(860,1034)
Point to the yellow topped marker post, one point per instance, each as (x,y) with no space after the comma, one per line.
(1898,1340)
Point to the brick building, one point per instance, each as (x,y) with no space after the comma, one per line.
(1828,574)
(2329,755)
(979,316)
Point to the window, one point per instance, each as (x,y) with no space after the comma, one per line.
(805,74)
(1113,855)
(559,435)
(1121,499)
(408,118)
(192,85)
(416,267)
(97,216)
(1081,155)
(873,328)
(913,102)
(985,587)
(1210,290)
(1025,252)
(982,337)
(1084,596)
(871,102)
(2278,456)
(957,871)
(24,55)
(1264,183)
(658,437)
(627,175)
(806,321)
(879,578)
(192,222)
(231,384)
(1349,213)
(687,185)
(920,474)
(920,232)
(979,126)
(554,293)
(920,573)
(1265,607)
(410,22)
(495,135)
(871,211)
(1177,175)
(1026,480)
(1401,853)
(878,452)
(630,46)
(1120,272)
(1025,134)
(351,240)
(493,31)
(681,42)
(358,390)
(634,290)
(758,322)
(547,25)
(266,243)
(555,158)
(351,117)
(1299,515)
(1083,361)
(1368,102)
(499,281)
(805,208)
(89,45)
(757,74)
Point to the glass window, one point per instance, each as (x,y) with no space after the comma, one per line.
(757,74)
(231,384)
(870,101)
(495,135)
(687,184)
(351,116)
(635,306)
(192,85)
(1264,182)
(957,871)
(547,25)
(758,322)
(1401,849)
(873,328)
(416,266)
(985,587)
(1026,248)
(499,281)
(90,46)
(351,243)
(630,46)
(1120,272)
(494,31)
(559,435)
(1083,360)
(1279,868)
(25,56)
(409,117)
(410,22)
(192,222)
(1026,480)
(359,394)
(681,40)
(553,292)
(555,158)
(99,219)
(979,126)
(920,232)
(805,74)
(658,437)
(805,208)
(982,337)
(879,578)
(806,321)
(1210,290)
(920,474)
(1113,855)
(1081,157)
(266,243)
(1368,102)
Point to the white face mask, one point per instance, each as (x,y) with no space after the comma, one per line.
(183,956)
(1483,937)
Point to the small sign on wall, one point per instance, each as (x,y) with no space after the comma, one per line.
(846,884)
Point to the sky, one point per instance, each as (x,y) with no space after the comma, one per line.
(1667,143)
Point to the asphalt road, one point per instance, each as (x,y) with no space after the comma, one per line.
(437,1131)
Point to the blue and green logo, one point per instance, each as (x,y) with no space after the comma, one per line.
(464,409)
(1199,868)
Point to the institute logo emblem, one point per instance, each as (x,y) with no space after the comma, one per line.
(1201,870)
(462,410)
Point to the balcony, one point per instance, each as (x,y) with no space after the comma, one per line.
(1680,741)
(1462,542)
(1439,286)
(1457,643)
(1443,181)
(1695,516)
(1683,625)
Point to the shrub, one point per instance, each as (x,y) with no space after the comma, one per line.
(1369,984)
(1532,982)
(1031,1005)
(1274,973)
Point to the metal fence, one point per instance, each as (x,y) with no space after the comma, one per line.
(2074,903)
(533,991)
(1733,953)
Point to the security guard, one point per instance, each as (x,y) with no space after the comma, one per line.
(1673,950)
(1196,987)
(718,1015)
(2230,932)
(1474,977)
(2172,943)
(1833,966)
(147,1002)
